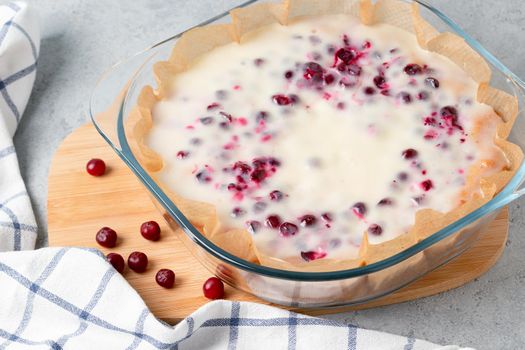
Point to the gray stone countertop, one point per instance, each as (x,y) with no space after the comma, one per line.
(80,39)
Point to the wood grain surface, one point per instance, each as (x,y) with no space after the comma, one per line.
(79,205)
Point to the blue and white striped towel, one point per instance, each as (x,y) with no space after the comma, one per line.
(58,298)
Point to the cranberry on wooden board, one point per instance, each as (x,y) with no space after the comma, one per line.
(150,230)
(138,261)
(165,278)
(96,167)
(213,288)
(117,261)
(106,237)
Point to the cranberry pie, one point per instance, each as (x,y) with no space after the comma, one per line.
(317,136)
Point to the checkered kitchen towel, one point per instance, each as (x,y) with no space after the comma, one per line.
(71,298)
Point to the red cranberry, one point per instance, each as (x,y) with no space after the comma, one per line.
(432,82)
(282,100)
(237,212)
(276,195)
(409,153)
(327,217)
(117,261)
(165,278)
(258,175)
(449,111)
(307,220)
(150,230)
(213,106)
(385,202)
(228,117)
(182,154)
(138,261)
(380,82)
(354,69)
(405,97)
(423,96)
(359,208)
(288,229)
(203,176)
(312,255)
(288,74)
(253,226)
(345,55)
(375,229)
(313,70)
(213,288)
(426,185)
(329,79)
(96,167)
(369,90)
(413,69)
(273,221)
(106,237)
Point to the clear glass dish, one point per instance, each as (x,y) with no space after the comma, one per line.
(115,96)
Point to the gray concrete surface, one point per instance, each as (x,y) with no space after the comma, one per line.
(80,39)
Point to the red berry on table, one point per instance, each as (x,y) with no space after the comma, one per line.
(150,230)
(106,237)
(213,288)
(117,261)
(138,261)
(165,278)
(96,167)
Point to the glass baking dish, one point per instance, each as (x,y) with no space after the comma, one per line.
(115,95)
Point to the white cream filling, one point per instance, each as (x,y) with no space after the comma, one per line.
(331,157)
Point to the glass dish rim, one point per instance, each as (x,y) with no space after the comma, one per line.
(504,197)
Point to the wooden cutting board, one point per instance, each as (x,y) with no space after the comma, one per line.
(79,205)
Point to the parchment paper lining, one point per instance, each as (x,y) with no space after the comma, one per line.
(199,41)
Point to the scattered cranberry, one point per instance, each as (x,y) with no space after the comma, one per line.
(311,255)
(409,153)
(150,230)
(273,221)
(423,96)
(138,261)
(375,229)
(313,70)
(288,74)
(426,185)
(213,106)
(213,288)
(405,97)
(345,55)
(117,261)
(237,212)
(203,176)
(432,82)
(288,229)
(106,237)
(327,217)
(165,278)
(282,100)
(385,202)
(261,116)
(354,69)
(182,154)
(380,82)
(413,69)
(276,195)
(253,226)
(449,110)
(369,90)
(359,209)
(96,167)
(307,220)
(329,79)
